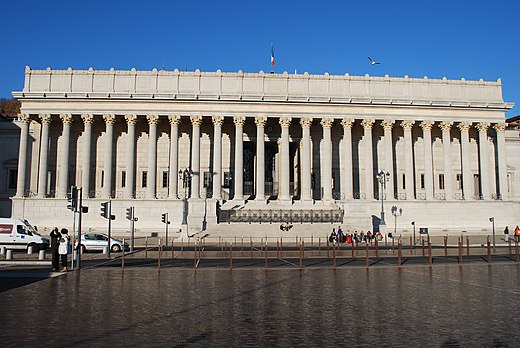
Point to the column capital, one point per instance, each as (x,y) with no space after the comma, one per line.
(464,126)
(500,127)
(260,121)
(347,122)
(285,122)
(445,125)
(306,122)
(110,119)
(367,123)
(407,124)
(131,119)
(196,120)
(327,122)
(482,126)
(239,120)
(87,118)
(46,118)
(152,119)
(174,120)
(218,120)
(66,118)
(427,125)
(387,124)
(24,118)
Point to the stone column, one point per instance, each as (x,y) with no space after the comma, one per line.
(326,173)
(284,194)
(260,122)
(408,158)
(109,156)
(238,177)
(485,177)
(87,144)
(195,157)
(306,189)
(446,149)
(428,159)
(24,120)
(131,120)
(369,158)
(501,153)
(44,155)
(347,182)
(218,121)
(389,157)
(467,177)
(63,172)
(174,156)
(151,182)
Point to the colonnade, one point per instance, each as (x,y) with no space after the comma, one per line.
(488,188)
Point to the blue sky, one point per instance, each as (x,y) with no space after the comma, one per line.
(470,39)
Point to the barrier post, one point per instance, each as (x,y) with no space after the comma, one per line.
(467,245)
(333,256)
(399,254)
(422,240)
(303,248)
(509,244)
(517,254)
(376,242)
(489,250)
(251,241)
(230,257)
(172,250)
(445,246)
(301,256)
(146,247)
(123,257)
(159,247)
(242,248)
(195,255)
(353,249)
(411,246)
(319,246)
(328,247)
(430,256)
(281,246)
(265,255)
(277,248)
(366,256)
(393,242)
(459,242)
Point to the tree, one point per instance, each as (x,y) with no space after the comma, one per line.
(9,107)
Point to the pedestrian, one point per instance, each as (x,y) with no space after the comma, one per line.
(64,248)
(340,234)
(55,242)
(506,234)
(517,233)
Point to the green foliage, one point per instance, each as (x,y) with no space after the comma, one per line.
(9,107)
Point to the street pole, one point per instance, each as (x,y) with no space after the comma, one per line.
(132,230)
(167,223)
(79,225)
(492,219)
(109,223)
(413,224)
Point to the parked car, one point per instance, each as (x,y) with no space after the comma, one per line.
(98,241)
(19,234)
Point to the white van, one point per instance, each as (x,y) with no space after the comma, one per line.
(19,234)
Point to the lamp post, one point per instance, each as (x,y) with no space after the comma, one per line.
(185,176)
(383,178)
(413,224)
(396,212)
(492,220)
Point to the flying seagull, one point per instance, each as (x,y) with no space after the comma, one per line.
(373,61)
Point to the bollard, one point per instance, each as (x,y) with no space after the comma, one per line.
(430,257)
(312,241)
(386,239)
(195,255)
(422,241)
(172,249)
(225,250)
(29,250)
(393,242)
(411,246)
(9,254)
(251,241)
(281,245)
(319,246)
(242,247)
(123,258)
(328,248)
(303,248)
(509,244)
(445,246)
(230,257)
(159,247)
(489,250)
(353,249)
(460,250)
(376,243)
(41,255)
(467,246)
(517,255)
(366,256)
(105,250)
(265,255)
(301,261)
(2,250)
(333,256)
(146,247)
(399,255)
(277,248)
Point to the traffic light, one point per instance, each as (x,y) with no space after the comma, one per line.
(72,199)
(164,218)
(129,213)
(104,210)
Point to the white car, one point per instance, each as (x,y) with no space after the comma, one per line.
(98,241)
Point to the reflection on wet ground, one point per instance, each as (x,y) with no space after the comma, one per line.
(447,305)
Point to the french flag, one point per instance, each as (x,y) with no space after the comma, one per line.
(272,55)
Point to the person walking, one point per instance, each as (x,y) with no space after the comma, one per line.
(55,242)
(517,233)
(64,248)
(506,234)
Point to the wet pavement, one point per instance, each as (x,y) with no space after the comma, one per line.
(473,305)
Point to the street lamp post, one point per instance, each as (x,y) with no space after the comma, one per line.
(383,178)
(492,220)
(396,212)
(185,176)
(413,224)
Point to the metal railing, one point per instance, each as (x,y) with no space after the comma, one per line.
(289,216)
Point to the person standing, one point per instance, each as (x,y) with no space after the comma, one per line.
(55,242)
(517,233)
(64,248)
(506,233)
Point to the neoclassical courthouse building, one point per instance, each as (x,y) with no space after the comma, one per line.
(257,147)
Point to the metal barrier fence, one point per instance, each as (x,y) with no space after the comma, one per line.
(289,216)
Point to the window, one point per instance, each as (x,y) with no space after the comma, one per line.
(459,181)
(123,178)
(228,180)
(441,181)
(404,181)
(422,181)
(12,174)
(144,178)
(164,179)
(208,179)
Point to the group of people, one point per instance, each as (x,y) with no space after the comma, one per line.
(60,248)
(516,235)
(340,237)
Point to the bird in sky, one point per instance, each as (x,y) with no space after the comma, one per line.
(373,61)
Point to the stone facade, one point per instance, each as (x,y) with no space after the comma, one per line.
(265,142)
